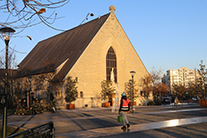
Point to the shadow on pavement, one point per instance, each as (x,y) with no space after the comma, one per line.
(22,125)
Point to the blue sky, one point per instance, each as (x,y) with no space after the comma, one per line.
(167,34)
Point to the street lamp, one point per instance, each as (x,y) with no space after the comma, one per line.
(6,33)
(130,84)
(132,74)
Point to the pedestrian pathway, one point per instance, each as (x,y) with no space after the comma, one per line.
(173,111)
(93,117)
(134,128)
(107,131)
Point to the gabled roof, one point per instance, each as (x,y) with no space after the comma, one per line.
(49,54)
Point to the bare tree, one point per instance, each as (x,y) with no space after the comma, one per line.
(202,79)
(179,90)
(189,92)
(12,62)
(43,82)
(21,14)
(12,65)
(152,82)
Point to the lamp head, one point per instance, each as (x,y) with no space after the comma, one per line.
(132,73)
(6,32)
(30,78)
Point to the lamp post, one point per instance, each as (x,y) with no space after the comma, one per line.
(132,74)
(6,33)
(130,82)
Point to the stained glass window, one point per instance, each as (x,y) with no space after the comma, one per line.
(111,63)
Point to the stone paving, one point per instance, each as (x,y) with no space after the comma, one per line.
(134,128)
(148,121)
(101,132)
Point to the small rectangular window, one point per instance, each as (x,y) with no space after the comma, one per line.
(81,94)
(76,94)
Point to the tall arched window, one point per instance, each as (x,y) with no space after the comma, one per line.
(111,63)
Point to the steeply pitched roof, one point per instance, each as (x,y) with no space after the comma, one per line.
(48,54)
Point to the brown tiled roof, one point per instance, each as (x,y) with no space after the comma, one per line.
(48,54)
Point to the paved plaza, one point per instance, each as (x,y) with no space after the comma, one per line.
(148,121)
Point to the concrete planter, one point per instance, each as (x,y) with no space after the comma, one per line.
(206,103)
(106,104)
(190,101)
(70,106)
(202,102)
(134,103)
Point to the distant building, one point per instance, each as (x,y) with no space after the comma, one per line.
(182,76)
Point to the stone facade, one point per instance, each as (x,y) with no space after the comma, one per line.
(90,68)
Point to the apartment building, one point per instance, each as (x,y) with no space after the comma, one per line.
(182,76)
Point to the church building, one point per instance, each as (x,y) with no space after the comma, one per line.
(87,53)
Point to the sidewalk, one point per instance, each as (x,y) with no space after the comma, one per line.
(110,108)
(102,132)
(101,122)
(116,132)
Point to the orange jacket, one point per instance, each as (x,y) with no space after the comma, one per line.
(125,102)
(124,105)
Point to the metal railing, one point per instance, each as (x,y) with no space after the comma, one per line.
(42,131)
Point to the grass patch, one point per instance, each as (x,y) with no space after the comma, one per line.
(9,111)
(11,130)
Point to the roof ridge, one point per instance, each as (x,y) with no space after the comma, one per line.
(80,25)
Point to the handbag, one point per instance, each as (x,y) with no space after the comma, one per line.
(120,119)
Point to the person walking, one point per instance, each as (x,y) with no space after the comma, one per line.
(124,108)
(176,101)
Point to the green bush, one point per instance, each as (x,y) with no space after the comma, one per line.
(151,103)
(155,102)
(71,90)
